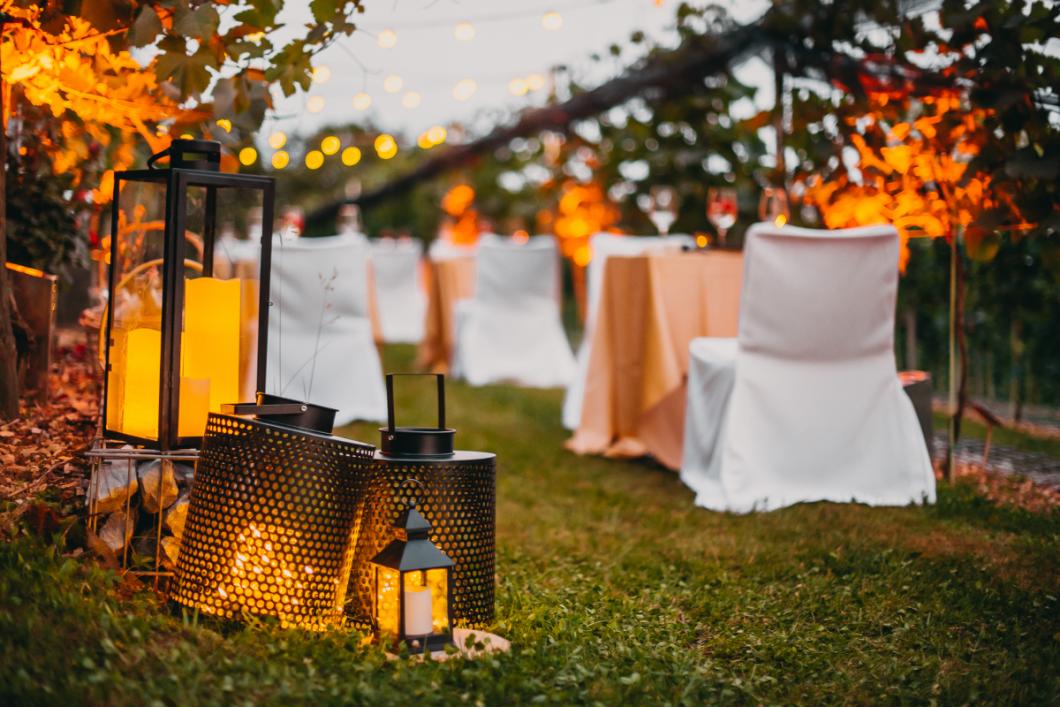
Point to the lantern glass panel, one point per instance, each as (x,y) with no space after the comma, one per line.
(388,606)
(136,338)
(437,582)
(218,362)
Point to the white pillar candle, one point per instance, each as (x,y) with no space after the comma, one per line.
(418,619)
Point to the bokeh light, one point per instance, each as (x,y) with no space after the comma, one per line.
(518,87)
(464,31)
(387,38)
(280,159)
(535,82)
(225,124)
(552,21)
(277,140)
(314,159)
(362,101)
(351,156)
(321,74)
(464,89)
(248,156)
(385,146)
(412,99)
(315,104)
(330,145)
(393,83)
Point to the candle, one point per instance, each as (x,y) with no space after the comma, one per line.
(418,619)
(210,344)
(143,348)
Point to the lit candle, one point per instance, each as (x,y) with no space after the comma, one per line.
(418,619)
(210,344)
(142,364)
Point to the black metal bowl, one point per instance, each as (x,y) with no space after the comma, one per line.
(285,411)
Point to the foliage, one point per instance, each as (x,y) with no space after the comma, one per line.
(41,226)
(613,589)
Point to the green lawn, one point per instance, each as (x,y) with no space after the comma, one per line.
(613,588)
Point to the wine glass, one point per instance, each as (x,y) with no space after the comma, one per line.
(662,208)
(773,206)
(722,210)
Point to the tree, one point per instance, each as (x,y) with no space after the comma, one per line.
(214,65)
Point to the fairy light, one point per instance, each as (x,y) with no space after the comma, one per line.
(535,82)
(424,142)
(351,156)
(464,31)
(362,101)
(321,74)
(412,99)
(280,159)
(315,104)
(518,87)
(464,89)
(225,124)
(437,134)
(385,146)
(552,21)
(248,156)
(393,83)
(314,159)
(387,39)
(330,145)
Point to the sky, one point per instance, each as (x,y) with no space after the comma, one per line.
(510,43)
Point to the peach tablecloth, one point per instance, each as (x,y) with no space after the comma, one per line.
(449,281)
(651,307)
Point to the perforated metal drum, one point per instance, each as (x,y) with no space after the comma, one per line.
(456,491)
(271,522)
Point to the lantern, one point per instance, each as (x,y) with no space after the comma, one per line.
(179,341)
(457,496)
(273,516)
(412,587)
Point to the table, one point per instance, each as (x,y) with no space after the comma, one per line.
(448,282)
(651,307)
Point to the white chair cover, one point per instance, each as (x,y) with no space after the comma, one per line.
(604,245)
(806,405)
(511,330)
(320,337)
(400,299)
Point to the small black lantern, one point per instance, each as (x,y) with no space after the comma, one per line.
(456,494)
(180,342)
(412,587)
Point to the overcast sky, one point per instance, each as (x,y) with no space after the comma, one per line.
(510,43)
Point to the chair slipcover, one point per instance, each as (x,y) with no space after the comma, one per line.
(604,245)
(510,330)
(806,404)
(400,299)
(320,336)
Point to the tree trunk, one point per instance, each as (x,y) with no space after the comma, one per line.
(8,353)
(962,347)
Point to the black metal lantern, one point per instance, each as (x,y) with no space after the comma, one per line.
(412,587)
(179,341)
(457,496)
(272,519)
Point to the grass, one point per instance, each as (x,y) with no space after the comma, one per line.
(613,589)
(974,429)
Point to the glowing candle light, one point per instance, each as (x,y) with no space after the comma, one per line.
(142,365)
(210,341)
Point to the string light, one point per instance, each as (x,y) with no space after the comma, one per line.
(393,83)
(248,156)
(315,104)
(518,87)
(314,159)
(351,156)
(362,101)
(535,82)
(280,159)
(464,31)
(385,146)
(437,135)
(412,99)
(424,142)
(464,89)
(277,140)
(321,74)
(552,21)
(387,38)
(225,124)
(330,145)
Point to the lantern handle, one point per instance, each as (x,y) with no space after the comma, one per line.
(390,398)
